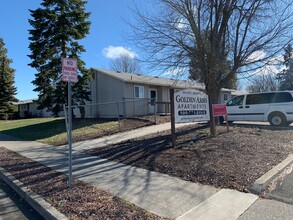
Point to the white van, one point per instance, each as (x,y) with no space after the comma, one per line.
(274,107)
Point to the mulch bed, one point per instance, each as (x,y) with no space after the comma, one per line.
(229,160)
(83,201)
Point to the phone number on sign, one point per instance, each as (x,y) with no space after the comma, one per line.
(193,112)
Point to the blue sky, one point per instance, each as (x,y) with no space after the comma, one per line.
(104,42)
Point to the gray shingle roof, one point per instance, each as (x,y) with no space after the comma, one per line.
(155,80)
(150,80)
(20,102)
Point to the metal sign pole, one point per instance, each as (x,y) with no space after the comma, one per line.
(69,74)
(173,131)
(70,133)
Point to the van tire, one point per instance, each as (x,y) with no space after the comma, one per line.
(277,119)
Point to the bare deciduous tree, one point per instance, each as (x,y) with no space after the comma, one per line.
(214,39)
(263,83)
(125,64)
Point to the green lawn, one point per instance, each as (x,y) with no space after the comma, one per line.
(53,131)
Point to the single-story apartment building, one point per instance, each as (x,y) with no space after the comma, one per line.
(126,94)
(117,94)
(28,109)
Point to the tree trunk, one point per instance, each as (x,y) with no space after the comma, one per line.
(213,92)
(212,100)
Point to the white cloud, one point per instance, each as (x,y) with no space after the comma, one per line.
(116,52)
(172,73)
(273,66)
(276,60)
(257,55)
(175,73)
(268,69)
(181,24)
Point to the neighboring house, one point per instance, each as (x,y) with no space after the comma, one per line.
(127,94)
(28,109)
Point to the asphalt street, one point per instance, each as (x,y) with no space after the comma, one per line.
(14,207)
(266,209)
(284,189)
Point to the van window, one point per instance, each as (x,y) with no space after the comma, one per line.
(259,98)
(238,100)
(282,97)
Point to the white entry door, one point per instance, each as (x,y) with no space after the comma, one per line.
(153,99)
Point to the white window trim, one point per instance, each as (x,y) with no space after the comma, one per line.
(140,92)
(226,94)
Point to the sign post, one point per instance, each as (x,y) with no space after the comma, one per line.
(220,110)
(173,133)
(69,74)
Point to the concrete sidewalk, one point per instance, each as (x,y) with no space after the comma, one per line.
(155,192)
(124,136)
(158,193)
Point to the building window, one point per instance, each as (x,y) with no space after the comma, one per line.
(138,92)
(226,97)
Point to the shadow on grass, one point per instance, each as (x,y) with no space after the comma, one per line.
(49,129)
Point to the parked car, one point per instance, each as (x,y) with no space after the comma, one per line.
(274,107)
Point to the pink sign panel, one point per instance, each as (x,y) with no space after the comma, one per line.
(69,70)
(219,109)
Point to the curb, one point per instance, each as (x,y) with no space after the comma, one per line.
(36,201)
(272,175)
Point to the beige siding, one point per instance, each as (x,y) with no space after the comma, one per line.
(90,108)
(109,89)
(132,106)
(105,93)
(164,97)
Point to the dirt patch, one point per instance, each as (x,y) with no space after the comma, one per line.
(83,201)
(229,160)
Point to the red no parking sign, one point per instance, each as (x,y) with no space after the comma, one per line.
(69,70)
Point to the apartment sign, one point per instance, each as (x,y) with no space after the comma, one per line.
(191,106)
(69,70)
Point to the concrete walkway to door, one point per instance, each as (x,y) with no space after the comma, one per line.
(124,136)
